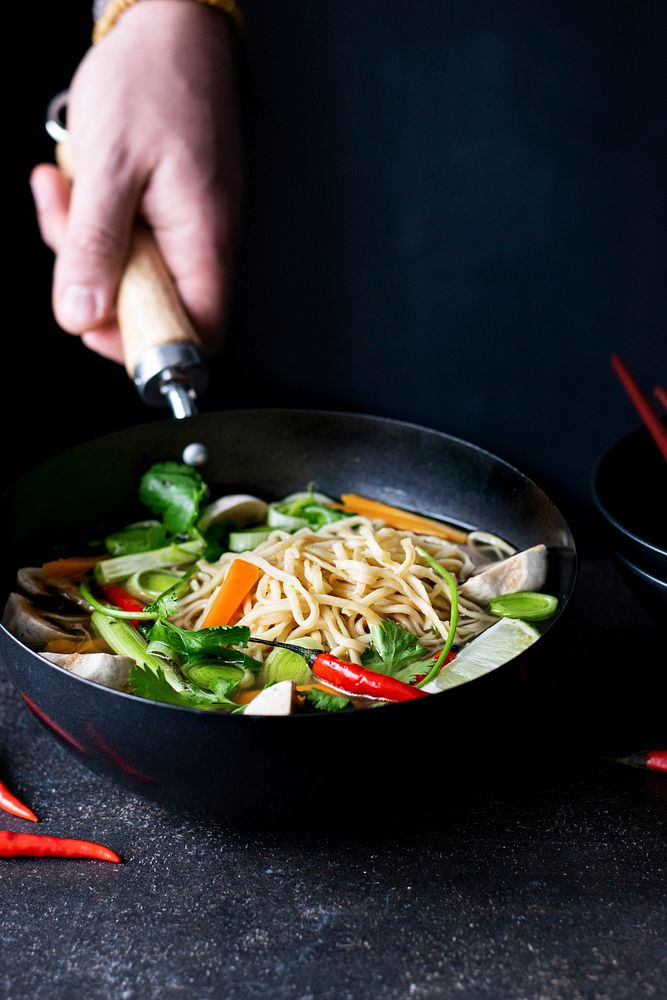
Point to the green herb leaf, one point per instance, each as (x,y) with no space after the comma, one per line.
(175,491)
(325,702)
(392,648)
(139,537)
(154,686)
(216,538)
(205,643)
(167,603)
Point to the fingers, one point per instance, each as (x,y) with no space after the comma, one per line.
(93,247)
(51,193)
(105,341)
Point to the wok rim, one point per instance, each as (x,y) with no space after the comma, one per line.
(371,418)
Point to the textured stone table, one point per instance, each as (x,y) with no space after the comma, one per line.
(538,883)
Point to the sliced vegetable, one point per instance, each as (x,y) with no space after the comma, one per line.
(173,490)
(453,614)
(245,541)
(279,518)
(498,644)
(241,578)
(74,566)
(119,568)
(142,536)
(126,641)
(121,599)
(149,584)
(285,665)
(401,519)
(167,603)
(239,510)
(524,604)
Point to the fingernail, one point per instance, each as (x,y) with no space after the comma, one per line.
(78,306)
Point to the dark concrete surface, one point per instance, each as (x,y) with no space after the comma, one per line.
(536,881)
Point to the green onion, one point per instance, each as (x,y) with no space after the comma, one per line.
(453,615)
(112,570)
(126,641)
(279,518)
(148,584)
(110,611)
(524,604)
(246,541)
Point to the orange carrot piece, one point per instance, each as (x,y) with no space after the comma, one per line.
(403,520)
(75,566)
(240,580)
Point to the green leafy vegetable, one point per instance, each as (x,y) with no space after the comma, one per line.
(391,648)
(139,537)
(317,515)
(204,643)
(327,702)
(155,687)
(175,491)
(166,604)
(216,539)
(119,568)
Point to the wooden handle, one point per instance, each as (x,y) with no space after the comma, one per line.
(149,311)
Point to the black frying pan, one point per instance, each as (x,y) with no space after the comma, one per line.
(261,767)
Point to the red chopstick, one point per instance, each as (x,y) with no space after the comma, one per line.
(641,404)
(660,394)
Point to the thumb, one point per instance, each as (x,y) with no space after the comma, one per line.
(93,251)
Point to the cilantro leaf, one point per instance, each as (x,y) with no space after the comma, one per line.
(205,643)
(175,491)
(167,603)
(326,702)
(392,648)
(153,686)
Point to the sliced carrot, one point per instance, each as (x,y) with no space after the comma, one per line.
(75,566)
(403,520)
(240,580)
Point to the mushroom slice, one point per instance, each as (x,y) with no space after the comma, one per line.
(38,628)
(103,668)
(35,583)
(526,570)
(239,509)
(275,700)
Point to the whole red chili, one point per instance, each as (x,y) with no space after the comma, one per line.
(350,677)
(12,805)
(123,600)
(34,845)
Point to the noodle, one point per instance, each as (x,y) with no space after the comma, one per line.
(333,584)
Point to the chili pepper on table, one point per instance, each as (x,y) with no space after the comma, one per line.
(116,595)
(350,677)
(35,845)
(11,804)
(652,760)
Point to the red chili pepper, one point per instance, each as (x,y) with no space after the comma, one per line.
(35,845)
(652,760)
(350,677)
(123,600)
(12,805)
(356,680)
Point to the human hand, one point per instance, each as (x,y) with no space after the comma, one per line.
(153,131)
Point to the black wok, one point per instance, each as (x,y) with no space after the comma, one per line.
(264,767)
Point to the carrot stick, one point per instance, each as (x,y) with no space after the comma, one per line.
(238,583)
(641,404)
(75,566)
(401,519)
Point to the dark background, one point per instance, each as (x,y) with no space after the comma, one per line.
(454,215)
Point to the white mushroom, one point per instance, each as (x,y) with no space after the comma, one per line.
(274,700)
(526,570)
(239,509)
(35,583)
(103,668)
(37,628)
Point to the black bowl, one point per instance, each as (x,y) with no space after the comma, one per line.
(629,488)
(262,768)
